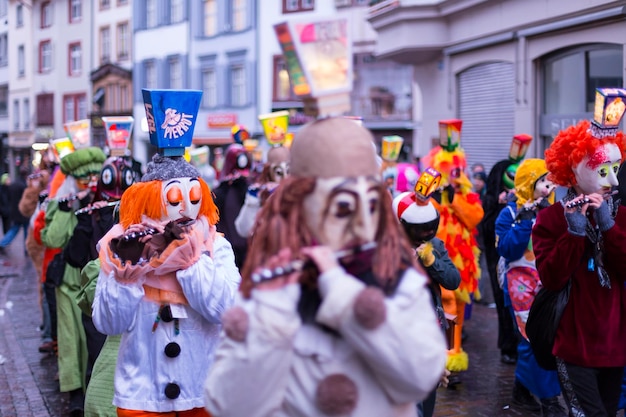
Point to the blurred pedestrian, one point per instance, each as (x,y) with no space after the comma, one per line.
(18,221)
(4,203)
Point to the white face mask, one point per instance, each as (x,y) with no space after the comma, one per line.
(598,173)
(182,198)
(543,187)
(343,212)
(279,171)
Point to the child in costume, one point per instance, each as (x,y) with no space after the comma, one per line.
(82,168)
(579,242)
(534,192)
(460,211)
(319,332)
(420,221)
(166,274)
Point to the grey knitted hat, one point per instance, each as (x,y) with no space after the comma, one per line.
(164,168)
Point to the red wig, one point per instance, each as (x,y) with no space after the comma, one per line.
(146,198)
(571,146)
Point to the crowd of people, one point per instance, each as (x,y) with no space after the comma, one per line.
(304,284)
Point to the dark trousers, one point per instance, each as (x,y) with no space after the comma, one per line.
(507,334)
(51,299)
(95,341)
(594,391)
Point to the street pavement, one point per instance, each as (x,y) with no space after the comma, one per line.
(29,385)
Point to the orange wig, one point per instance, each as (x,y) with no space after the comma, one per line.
(146,198)
(569,148)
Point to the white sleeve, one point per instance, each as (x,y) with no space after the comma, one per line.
(407,352)
(115,304)
(247,215)
(211,283)
(249,377)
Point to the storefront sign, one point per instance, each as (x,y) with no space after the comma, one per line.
(221,121)
(552,124)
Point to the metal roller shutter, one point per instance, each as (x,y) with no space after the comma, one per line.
(487,108)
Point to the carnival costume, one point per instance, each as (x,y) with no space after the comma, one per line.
(533,193)
(167,276)
(313,335)
(460,211)
(82,168)
(579,244)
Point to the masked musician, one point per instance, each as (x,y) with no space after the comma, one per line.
(533,192)
(354,331)
(82,168)
(167,276)
(579,242)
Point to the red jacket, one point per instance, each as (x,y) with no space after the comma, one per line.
(592,331)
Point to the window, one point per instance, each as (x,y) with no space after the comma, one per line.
(239,21)
(19,15)
(105,45)
(209,88)
(123,42)
(45,109)
(176,76)
(151,74)
(122,2)
(4,49)
(151,13)
(4,7)
(45,56)
(177,11)
(4,100)
(75,59)
(16,114)
(238,96)
(26,106)
(210,17)
(74,107)
(21,64)
(291,6)
(46,15)
(76,10)
(282,84)
(105,4)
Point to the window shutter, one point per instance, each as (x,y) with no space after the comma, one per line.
(139,14)
(251,82)
(164,79)
(184,65)
(167,12)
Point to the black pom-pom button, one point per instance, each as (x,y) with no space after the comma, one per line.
(172,350)
(172,391)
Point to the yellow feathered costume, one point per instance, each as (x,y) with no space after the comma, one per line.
(457,229)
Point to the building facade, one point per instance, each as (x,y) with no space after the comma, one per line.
(382,88)
(208,45)
(503,67)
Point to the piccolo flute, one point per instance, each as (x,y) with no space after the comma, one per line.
(267,274)
(88,209)
(585,200)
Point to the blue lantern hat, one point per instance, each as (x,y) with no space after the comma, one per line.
(171,118)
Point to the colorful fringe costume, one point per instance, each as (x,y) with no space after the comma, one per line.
(459,219)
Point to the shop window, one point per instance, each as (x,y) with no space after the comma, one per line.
(282,84)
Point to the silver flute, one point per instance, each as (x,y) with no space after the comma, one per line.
(267,274)
(88,209)
(585,200)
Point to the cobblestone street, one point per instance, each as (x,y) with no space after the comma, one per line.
(28,378)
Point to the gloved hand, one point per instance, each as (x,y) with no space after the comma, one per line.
(127,273)
(603,217)
(526,213)
(180,253)
(425,254)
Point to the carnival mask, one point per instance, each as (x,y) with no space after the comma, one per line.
(279,171)
(344,213)
(182,197)
(597,173)
(116,176)
(543,187)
